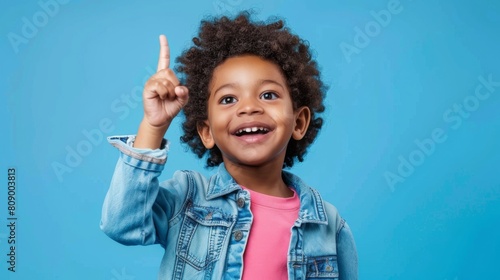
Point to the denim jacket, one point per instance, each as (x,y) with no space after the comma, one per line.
(203,223)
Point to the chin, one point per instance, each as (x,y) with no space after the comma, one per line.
(250,162)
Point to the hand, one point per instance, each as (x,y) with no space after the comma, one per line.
(163,96)
(163,99)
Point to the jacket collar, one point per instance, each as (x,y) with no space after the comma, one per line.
(312,208)
(221,183)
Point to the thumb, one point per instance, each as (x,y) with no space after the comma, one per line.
(182,94)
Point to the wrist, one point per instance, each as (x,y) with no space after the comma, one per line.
(150,136)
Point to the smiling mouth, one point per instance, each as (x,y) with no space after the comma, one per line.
(251,131)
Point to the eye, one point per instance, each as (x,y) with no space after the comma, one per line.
(227,100)
(269,95)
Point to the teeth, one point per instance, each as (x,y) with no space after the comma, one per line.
(252,129)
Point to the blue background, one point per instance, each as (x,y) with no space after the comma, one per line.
(84,62)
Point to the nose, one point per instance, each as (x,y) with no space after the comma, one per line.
(249,106)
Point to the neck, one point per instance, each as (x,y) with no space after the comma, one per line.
(264,179)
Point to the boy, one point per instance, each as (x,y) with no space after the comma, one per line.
(251,98)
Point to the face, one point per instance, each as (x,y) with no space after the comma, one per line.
(251,118)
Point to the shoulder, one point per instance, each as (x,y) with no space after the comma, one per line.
(189,175)
(187,178)
(185,182)
(334,216)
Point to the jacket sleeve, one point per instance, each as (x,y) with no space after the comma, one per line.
(347,255)
(136,210)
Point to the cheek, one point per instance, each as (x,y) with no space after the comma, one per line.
(285,113)
(218,123)
(287,119)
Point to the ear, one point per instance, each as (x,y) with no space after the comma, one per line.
(302,119)
(205,134)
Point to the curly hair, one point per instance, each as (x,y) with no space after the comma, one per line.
(222,38)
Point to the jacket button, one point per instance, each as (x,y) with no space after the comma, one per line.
(238,235)
(240,202)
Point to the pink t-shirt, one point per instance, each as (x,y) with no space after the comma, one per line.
(266,251)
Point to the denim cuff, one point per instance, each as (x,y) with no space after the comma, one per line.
(147,159)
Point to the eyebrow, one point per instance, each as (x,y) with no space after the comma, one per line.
(235,85)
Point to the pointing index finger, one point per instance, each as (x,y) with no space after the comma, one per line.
(164,59)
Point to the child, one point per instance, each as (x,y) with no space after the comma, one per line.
(251,98)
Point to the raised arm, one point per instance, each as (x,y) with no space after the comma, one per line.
(163,98)
(136,209)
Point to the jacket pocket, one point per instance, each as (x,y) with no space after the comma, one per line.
(325,267)
(202,235)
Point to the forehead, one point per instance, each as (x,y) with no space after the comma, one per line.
(245,69)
